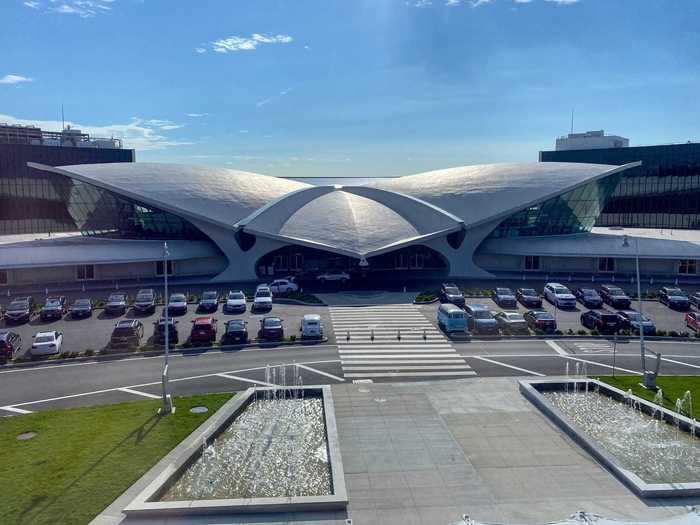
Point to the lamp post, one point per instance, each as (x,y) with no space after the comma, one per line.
(167,407)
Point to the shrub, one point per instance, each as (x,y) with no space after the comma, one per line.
(684,334)
(193,298)
(673,333)
(64,355)
(292,338)
(422,297)
(697,334)
(661,333)
(558,332)
(625,331)
(581,332)
(595,332)
(569,332)
(89,352)
(539,331)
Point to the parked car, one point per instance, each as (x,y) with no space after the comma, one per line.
(692,320)
(512,323)
(541,320)
(602,320)
(480,319)
(81,308)
(559,295)
(235,302)
(203,330)
(632,320)
(311,327)
(235,332)
(19,310)
(451,318)
(528,297)
(47,343)
(695,299)
(209,302)
(615,297)
(674,298)
(127,333)
(504,297)
(10,344)
(54,308)
(271,329)
(262,302)
(284,286)
(177,305)
(450,293)
(116,303)
(334,276)
(159,333)
(589,297)
(145,301)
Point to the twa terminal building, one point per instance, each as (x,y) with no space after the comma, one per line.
(222,225)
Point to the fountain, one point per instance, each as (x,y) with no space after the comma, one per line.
(269,449)
(652,449)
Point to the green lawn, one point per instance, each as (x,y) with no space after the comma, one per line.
(83,458)
(673,388)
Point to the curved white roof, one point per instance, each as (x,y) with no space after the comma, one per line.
(219,195)
(484,192)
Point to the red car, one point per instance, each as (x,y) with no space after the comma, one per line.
(692,320)
(203,330)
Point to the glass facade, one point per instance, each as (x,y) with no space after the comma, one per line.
(664,192)
(573,212)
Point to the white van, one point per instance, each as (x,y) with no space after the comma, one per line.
(311,327)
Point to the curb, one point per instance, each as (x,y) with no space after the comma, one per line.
(620,338)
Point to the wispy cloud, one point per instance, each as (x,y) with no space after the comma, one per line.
(15,79)
(200,50)
(563,2)
(273,98)
(81,8)
(197,115)
(245,43)
(137,133)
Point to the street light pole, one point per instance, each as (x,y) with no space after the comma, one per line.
(167,407)
(639,306)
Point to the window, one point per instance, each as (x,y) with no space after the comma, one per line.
(606,264)
(159,268)
(3,277)
(687,266)
(532,262)
(85,272)
(280,262)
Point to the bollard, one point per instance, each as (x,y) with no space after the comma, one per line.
(371,335)
(398,334)
(425,337)
(347,335)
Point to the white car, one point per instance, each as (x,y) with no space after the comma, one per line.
(177,304)
(262,300)
(235,302)
(332,275)
(559,295)
(311,327)
(47,343)
(283,286)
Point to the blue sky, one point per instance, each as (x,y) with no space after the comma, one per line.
(353,87)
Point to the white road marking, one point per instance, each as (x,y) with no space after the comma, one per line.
(322,373)
(405,367)
(16,410)
(138,393)
(245,380)
(412,374)
(554,346)
(397,354)
(601,364)
(488,360)
(679,362)
(358,361)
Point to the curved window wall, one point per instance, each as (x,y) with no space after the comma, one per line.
(573,212)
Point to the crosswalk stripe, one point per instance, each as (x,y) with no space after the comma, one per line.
(437,351)
(411,374)
(345,357)
(404,367)
(388,362)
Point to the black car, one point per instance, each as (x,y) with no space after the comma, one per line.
(540,320)
(235,332)
(145,301)
(615,297)
(271,329)
(603,321)
(54,308)
(632,320)
(450,293)
(504,297)
(674,298)
(116,303)
(127,333)
(19,310)
(159,333)
(528,297)
(81,308)
(209,302)
(588,297)
(10,344)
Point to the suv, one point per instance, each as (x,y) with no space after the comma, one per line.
(54,308)
(311,327)
(633,320)
(284,286)
(235,332)
(480,319)
(145,302)
(116,303)
(19,310)
(159,333)
(449,293)
(127,332)
(235,302)
(177,305)
(271,329)
(504,298)
(559,295)
(674,298)
(203,330)
(588,297)
(541,320)
(615,296)
(529,298)
(603,321)
(262,300)
(209,302)
(81,308)
(10,344)
(335,276)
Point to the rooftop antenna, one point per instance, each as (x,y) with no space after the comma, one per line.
(572,121)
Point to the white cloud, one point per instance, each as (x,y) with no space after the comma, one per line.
(197,115)
(421,3)
(267,100)
(200,50)
(81,8)
(32,5)
(242,43)
(15,79)
(137,134)
(563,2)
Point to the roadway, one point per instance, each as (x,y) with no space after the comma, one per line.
(98,382)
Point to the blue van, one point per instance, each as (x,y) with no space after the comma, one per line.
(451,318)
